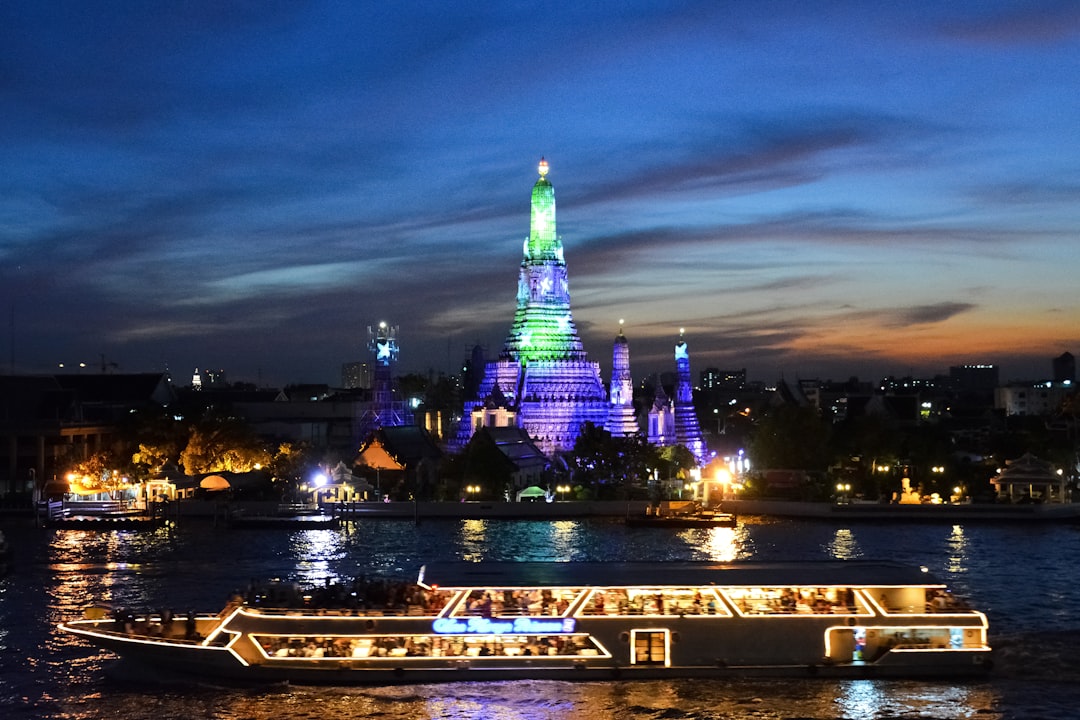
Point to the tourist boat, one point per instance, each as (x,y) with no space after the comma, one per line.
(473,621)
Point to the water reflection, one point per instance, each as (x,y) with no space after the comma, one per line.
(315,551)
(958,551)
(844,546)
(876,699)
(473,539)
(563,539)
(722,545)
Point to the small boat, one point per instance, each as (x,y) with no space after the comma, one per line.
(293,516)
(573,621)
(703,519)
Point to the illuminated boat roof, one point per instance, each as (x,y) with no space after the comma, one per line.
(674,574)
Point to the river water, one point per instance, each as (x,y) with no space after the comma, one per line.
(1023,576)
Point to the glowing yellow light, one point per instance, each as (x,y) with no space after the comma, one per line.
(543,167)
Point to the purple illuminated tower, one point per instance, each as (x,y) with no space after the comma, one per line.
(621,420)
(543,380)
(687,430)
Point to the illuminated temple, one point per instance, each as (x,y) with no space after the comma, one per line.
(543,380)
(622,421)
(687,429)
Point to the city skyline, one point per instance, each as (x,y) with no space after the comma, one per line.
(819,190)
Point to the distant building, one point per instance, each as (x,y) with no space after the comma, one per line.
(1042,398)
(357,376)
(204,379)
(716,379)
(386,408)
(1064,367)
(50,422)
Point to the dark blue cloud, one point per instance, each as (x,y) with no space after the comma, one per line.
(250,184)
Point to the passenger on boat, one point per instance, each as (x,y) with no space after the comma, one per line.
(788,600)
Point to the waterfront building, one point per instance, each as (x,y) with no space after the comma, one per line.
(400,461)
(1029,478)
(542,380)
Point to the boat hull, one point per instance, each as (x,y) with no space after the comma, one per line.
(174,667)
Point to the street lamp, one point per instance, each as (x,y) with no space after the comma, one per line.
(472,490)
(842,490)
(561,490)
(723,477)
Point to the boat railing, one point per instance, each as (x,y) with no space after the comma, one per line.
(409,611)
(155,632)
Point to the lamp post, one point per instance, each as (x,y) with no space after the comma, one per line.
(842,492)
(561,490)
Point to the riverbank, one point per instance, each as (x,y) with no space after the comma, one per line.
(962,512)
(220,511)
(571,509)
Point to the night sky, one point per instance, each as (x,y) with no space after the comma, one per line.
(813,189)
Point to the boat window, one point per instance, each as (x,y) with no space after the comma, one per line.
(448,646)
(918,601)
(653,601)
(795,600)
(881,640)
(503,602)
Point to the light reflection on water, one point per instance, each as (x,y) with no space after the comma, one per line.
(868,699)
(473,539)
(316,550)
(957,544)
(844,546)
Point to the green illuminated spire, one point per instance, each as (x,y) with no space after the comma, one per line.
(543,243)
(543,328)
